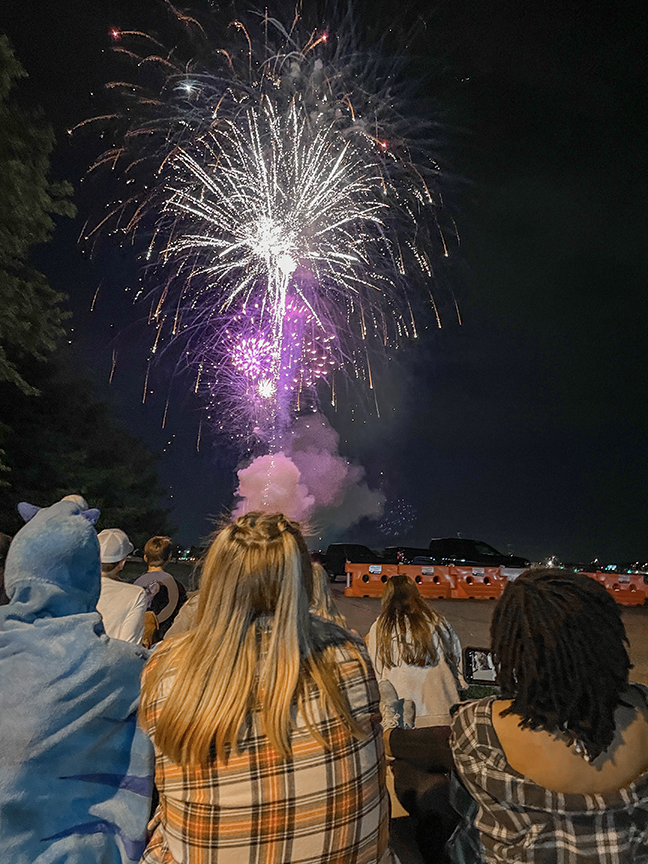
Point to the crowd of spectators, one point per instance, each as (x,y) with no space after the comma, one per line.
(247,723)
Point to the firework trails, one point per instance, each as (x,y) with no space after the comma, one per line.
(286,216)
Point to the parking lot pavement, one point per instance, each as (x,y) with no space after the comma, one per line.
(471,620)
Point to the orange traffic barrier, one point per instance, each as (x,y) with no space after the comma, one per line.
(434,582)
(483,583)
(367,580)
(628,589)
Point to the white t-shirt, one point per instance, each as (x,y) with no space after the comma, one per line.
(122,607)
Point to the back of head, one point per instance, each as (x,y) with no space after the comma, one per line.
(114,547)
(405,626)
(157,551)
(400,592)
(57,553)
(253,643)
(559,646)
(256,566)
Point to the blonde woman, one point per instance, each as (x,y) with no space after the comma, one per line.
(264,718)
(415,649)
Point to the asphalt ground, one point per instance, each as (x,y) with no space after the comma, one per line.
(471,620)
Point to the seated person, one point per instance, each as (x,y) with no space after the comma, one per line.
(323,603)
(186,617)
(421,762)
(264,718)
(558,766)
(414,647)
(122,606)
(75,769)
(165,595)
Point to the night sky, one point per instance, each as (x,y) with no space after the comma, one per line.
(526,425)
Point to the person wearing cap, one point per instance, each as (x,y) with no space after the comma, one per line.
(122,606)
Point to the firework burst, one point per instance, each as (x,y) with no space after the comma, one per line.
(286,214)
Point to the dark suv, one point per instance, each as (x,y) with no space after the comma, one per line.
(337,554)
(456,550)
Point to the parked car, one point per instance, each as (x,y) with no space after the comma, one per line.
(337,554)
(405,555)
(457,550)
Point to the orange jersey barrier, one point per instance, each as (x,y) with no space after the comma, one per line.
(367,580)
(479,583)
(434,582)
(438,582)
(628,589)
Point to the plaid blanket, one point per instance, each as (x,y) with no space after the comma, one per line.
(318,807)
(515,820)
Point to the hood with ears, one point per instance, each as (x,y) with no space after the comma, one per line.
(53,561)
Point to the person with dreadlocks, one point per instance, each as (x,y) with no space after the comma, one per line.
(264,718)
(557,763)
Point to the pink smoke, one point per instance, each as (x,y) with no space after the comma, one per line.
(310,481)
(271,484)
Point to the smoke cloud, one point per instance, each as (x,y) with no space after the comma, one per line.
(309,481)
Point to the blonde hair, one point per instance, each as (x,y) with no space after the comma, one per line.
(322,603)
(254,648)
(410,623)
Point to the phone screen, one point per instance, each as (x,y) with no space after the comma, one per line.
(479,667)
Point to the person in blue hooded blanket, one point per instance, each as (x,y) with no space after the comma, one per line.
(75,769)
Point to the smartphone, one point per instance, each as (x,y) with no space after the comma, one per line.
(478,666)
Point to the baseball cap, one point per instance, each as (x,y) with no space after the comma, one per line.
(114,545)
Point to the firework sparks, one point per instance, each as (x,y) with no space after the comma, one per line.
(286,210)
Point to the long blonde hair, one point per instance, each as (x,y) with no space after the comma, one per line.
(323,603)
(405,628)
(254,647)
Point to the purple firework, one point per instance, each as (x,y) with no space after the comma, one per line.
(285,206)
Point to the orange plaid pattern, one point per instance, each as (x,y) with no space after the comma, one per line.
(321,806)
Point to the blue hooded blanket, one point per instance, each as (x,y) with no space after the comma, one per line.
(75,769)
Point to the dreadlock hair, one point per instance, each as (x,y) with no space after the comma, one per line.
(559,647)
(409,622)
(254,649)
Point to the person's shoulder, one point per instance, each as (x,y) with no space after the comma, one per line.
(132,592)
(145,579)
(642,689)
(155,657)
(345,645)
(353,663)
(468,716)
